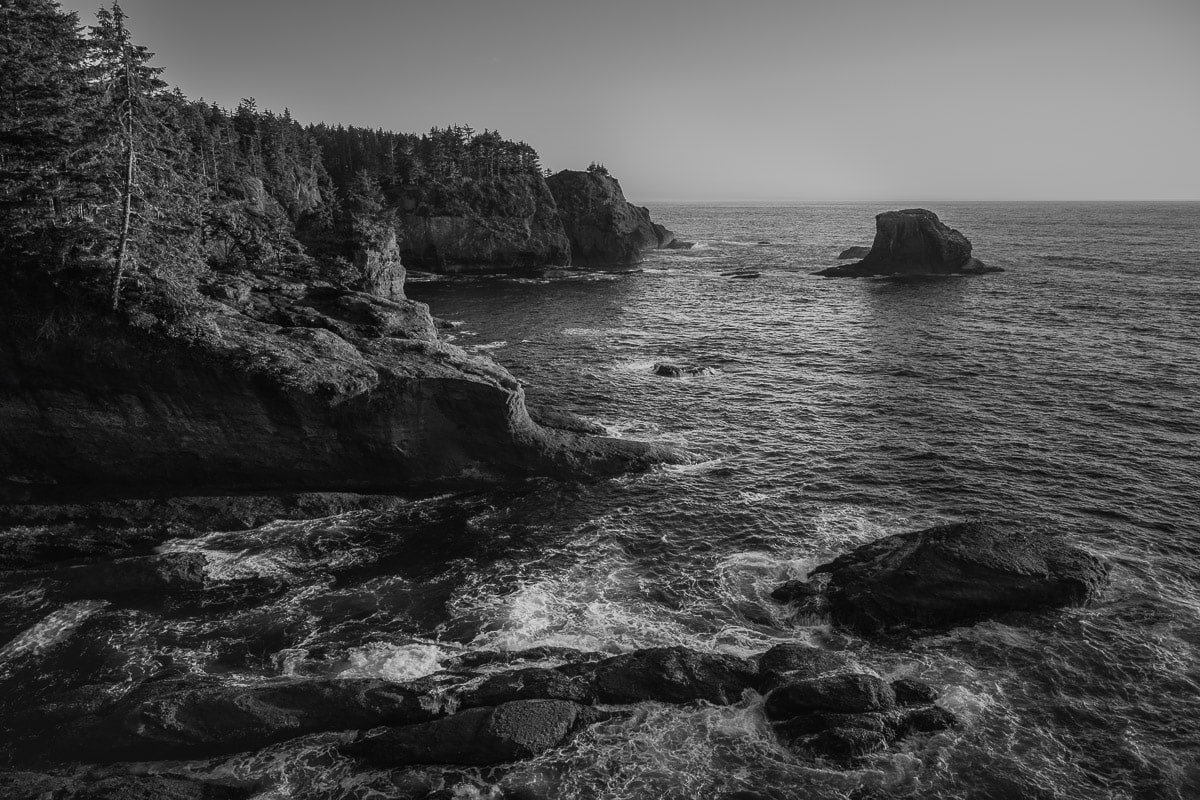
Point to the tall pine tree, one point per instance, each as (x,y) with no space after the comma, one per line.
(44,108)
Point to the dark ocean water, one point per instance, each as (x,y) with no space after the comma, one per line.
(1061,394)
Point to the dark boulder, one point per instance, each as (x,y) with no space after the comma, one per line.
(913,242)
(847,693)
(912,692)
(957,574)
(858,251)
(531,683)
(566,421)
(928,720)
(847,743)
(668,369)
(673,675)
(794,590)
(196,717)
(477,736)
(792,661)
(679,244)
(143,577)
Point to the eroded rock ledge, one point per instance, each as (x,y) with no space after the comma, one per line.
(275,385)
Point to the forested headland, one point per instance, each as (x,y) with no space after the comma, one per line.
(116,189)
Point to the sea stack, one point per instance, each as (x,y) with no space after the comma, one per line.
(913,242)
(605,229)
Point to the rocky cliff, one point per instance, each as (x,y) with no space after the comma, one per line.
(913,242)
(272,384)
(480,225)
(604,228)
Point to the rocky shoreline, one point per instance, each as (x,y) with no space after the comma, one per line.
(495,707)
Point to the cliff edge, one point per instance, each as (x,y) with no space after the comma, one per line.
(604,228)
(268,384)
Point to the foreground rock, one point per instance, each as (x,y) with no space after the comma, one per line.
(912,242)
(848,715)
(141,577)
(672,675)
(957,574)
(35,786)
(479,736)
(196,717)
(273,385)
(604,228)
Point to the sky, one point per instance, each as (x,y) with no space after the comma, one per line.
(827,100)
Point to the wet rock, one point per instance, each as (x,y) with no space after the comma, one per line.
(143,577)
(792,661)
(794,590)
(668,369)
(532,683)
(566,421)
(195,717)
(957,574)
(912,692)
(673,675)
(913,242)
(858,251)
(748,273)
(483,658)
(477,736)
(845,693)
(679,244)
(928,720)
(847,743)
(37,786)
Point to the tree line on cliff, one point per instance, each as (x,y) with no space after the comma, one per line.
(115,189)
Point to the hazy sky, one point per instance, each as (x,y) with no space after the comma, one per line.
(757,99)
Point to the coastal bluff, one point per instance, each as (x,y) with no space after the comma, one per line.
(272,382)
(912,242)
(604,228)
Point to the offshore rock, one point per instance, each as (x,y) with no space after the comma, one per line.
(672,675)
(668,369)
(858,251)
(478,736)
(194,717)
(913,242)
(284,386)
(603,227)
(485,225)
(957,574)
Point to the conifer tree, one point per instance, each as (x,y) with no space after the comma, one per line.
(44,100)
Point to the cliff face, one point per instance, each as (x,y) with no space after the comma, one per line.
(509,221)
(604,228)
(280,386)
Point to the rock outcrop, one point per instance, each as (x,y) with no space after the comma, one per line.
(604,228)
(485,225)
(957,574)
(270,385)
(912,242)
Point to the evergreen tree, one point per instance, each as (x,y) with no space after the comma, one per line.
(152,208)
(44,99)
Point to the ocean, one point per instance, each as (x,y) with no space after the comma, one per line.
(1061,394)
